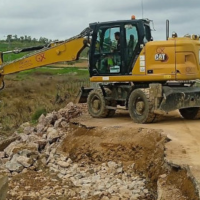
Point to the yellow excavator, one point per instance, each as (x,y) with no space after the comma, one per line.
(131,70)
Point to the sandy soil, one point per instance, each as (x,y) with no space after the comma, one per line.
(184,147)
(150,151)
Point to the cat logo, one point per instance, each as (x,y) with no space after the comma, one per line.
(160,57)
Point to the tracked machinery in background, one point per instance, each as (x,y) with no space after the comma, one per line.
(146,77)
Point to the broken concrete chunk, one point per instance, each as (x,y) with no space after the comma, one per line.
(24,161)
(2,154)
(40,128)
(49,119)
(28,130)
(112,165)
(63,164)
(57,124)
(52,134)
(9,150)
(13,165)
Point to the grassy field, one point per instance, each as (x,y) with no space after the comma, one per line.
(50,71)
(5,46)
(30,93)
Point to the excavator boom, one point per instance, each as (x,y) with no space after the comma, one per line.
(69,50)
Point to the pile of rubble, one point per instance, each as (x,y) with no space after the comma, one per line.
(38,143)
(36,149)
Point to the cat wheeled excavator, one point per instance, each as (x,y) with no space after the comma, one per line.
(145,76)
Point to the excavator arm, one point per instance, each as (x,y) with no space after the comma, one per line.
(69,50)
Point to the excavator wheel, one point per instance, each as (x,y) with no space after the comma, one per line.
(190,113)
(140,105)
(113,103)
(97,104)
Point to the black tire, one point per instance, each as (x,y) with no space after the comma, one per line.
(113,103)
(190,113)
(96,104)
(140,106)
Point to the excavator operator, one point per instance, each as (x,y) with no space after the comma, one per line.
(117,38)
(110,61)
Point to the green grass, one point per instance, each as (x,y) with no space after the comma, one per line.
(10,57)
(51,70)
(36,115)
(5,46)
(27,97)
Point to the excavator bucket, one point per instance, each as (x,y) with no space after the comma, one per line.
(83,94)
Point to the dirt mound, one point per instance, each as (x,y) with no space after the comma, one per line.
(143,147)
(61,159)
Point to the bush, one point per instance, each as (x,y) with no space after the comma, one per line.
(38,113)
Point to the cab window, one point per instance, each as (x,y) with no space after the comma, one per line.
(107,55)
(131,43)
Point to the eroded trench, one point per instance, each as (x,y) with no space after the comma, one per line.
(143,149)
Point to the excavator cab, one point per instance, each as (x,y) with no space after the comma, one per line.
(116,46)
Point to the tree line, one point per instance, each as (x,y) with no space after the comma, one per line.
(26,38)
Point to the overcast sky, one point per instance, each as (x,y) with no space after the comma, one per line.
(61,19)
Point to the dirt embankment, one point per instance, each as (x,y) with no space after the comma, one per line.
(141,147)
(87,158)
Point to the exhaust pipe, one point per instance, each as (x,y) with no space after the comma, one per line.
(167,29)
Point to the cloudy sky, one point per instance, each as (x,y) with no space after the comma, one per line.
(61,19)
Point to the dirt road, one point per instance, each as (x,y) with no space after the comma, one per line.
(184,147)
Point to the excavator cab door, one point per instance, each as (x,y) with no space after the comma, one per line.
(107,51)
(115,47)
